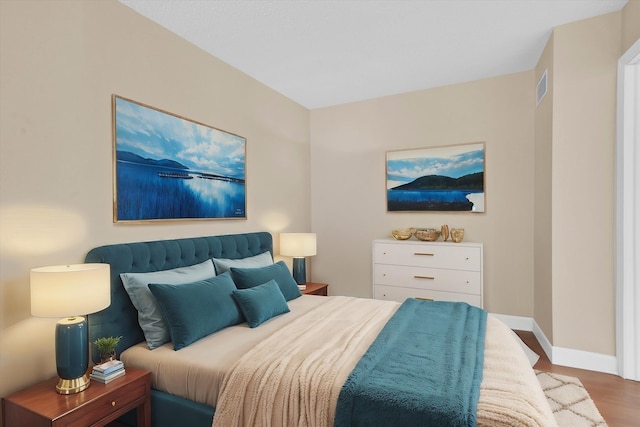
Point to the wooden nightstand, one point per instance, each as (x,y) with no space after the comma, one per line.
(316,289)
(98,405)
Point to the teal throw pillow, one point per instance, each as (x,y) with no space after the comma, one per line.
(195,310)
(249,277)
(261,303)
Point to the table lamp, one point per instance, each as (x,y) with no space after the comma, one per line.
(298,246)
(69,291)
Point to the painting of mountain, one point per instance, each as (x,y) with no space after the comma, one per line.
(171,168)
(447,178)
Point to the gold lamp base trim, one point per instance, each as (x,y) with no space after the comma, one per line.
(73,386)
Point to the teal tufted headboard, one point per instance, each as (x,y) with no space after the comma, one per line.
(121,317)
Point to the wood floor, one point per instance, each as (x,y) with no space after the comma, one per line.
(617,400)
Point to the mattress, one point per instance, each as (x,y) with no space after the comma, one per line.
(509,392)
(196,371)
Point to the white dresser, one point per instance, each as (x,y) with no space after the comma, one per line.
(428,270)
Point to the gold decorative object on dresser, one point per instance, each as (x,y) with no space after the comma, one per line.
(402,234)
(427,234)
(427,270)
(444,231)
(457,234)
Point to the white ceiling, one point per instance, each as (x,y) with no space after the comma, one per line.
(327,52)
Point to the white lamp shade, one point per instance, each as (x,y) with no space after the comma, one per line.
(298,244)
(70,290)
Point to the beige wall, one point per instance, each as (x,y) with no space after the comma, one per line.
(543,210)
(61,61)
(348,181)
(575,146)
(584,126)
(630,24)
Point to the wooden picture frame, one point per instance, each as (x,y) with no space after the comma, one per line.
(449,178)
(167,167)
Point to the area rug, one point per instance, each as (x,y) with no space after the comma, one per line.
(569,401)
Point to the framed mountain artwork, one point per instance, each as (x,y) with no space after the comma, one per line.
(447,178)
(167,167)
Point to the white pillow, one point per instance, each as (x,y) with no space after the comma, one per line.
(156,331)
(257,261)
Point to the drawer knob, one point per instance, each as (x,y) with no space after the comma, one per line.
(113,403)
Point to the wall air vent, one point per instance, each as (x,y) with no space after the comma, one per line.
(541,88)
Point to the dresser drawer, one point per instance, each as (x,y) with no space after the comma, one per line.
(448,256)
(398,293)
(459,281)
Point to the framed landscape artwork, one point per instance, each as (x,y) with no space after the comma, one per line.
(167,167)
(437,179)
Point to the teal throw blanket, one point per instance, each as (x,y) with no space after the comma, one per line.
(423,369)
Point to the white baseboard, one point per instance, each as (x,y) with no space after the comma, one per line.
(585,360)
(518,323)
(560,355)
(542,339)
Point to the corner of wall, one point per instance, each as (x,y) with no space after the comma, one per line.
(543,247)
(630,24)
(559,355)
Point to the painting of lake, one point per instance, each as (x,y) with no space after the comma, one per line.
(171,168)
(436,179)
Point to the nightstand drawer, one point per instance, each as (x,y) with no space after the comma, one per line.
(111,405)
(467,282)
(449,256)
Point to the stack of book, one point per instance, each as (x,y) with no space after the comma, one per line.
(107,371)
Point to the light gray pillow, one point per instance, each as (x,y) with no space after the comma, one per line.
(257,261)
(156,331)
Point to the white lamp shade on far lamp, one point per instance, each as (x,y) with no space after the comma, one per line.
(71,291)
(298,246)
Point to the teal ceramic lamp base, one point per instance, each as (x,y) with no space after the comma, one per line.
(72,355)
(299,270)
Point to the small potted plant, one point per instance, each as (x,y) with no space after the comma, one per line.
(107,347)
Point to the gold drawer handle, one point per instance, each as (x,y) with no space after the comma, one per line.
(423,254)
(113,403)
(424,299)
(424,277)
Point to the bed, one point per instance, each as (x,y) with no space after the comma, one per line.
(313,352)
